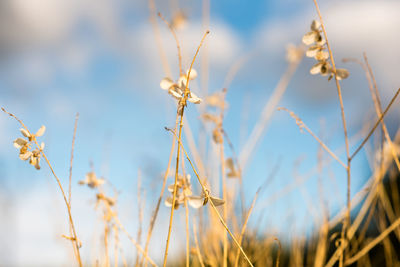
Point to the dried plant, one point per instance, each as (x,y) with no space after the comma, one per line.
(208,190)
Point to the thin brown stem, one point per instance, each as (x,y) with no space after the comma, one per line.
(133,241)
(181,110)
(223,178)
(70,169)
(153,21)
(347,221)
(176,40)
(155,213)
(244,226)
(175,190)
(75,237)
(302,125)
(186,214)
(196,242)
(140,212)
(106,231)
(207,195)
(72,158)
(187,231)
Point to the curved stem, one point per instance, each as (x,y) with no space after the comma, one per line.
(75,237)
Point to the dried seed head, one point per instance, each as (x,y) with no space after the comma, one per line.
(217,135)
(91,180)
(179,21)
(25,133)
(232,172)
(342,74)
(315,24)
(321,55)
(177,89)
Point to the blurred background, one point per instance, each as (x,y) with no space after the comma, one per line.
(100,58)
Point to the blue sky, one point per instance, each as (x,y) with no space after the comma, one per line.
(100,59)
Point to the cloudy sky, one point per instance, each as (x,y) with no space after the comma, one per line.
(100,58)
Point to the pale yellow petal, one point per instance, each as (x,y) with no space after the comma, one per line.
(312,51)
(33,160)
(196,201)
(41,131)
(187,192)
(26,155)
(217,201)
(315,24)
(316,68)
(90,176)
(194,98)
(342,74)
(171,188)
(310,38)
(166,83)
(193,74)
(25,133)
(19,142)
(174,93)
(179,21)
(321,41)
(321,55)
(182,81)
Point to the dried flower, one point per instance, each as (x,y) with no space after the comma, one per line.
(232,171)
(197,202)
(217,99)
(318,51)
(179,21)
(314,36)
(183,191)
(217,135)
(177,89)
(211,118)
(24,145)
(91,180)
(70,238)
(101,197)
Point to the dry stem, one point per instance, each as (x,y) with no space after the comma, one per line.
(181,110)
(206,193)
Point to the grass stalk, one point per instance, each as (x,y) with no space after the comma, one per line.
(196,242)
(181,110)
(206,193)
